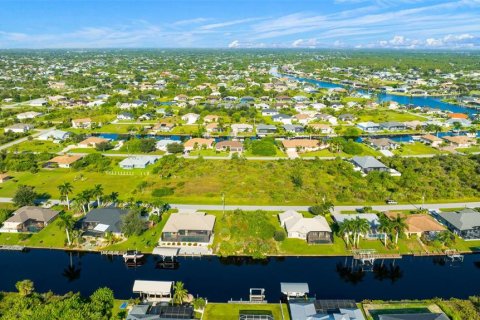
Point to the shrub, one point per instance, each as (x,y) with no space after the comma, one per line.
(279,235)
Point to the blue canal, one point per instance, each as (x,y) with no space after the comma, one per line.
(222,279)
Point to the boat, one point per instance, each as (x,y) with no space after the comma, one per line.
(132,255)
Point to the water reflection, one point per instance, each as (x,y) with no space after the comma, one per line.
(72,271)
(390,272)
(350,274)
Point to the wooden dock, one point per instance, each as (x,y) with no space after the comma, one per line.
(12,248)
(376,256)
(111,253)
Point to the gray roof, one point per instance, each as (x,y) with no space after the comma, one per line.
(302,310)
(390,124)
(465,219)
(414,316)
(33,213)
(112,217)
(266,127)
(293,287)
(189,221)
(372,218)
(368,162)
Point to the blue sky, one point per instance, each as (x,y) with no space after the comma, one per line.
(417,24)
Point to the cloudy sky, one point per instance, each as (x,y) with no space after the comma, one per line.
(420,24)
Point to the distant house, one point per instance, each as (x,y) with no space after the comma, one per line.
(160,311)
(229,145)
(29,219)
(347,117)
(369,126)
(283,118)
(83,123)
(264,129)
(137,162)
(420,225)
(320,127)
(190,118)
(125,116)
(211,118)
(372,219)
(313,230)
(393,126)
(293,128)
(213,127)
(461,141)
(303,145)
(457,116)
(368,164)
(163,144)
(163,127)
(28,115)
(431,140)
(383,144)
(4,177)
(198,143)
(38,102)
(64,161)
(55,135)
(92,142)
(269,112)
(19,128)
(465,223)
(241,128)
(187,226)
(99,221)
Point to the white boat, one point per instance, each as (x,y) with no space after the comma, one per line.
(132,255)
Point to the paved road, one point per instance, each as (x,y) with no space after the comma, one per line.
(36,134)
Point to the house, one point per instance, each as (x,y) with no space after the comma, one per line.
(55,135)
(64,161)
(19,128)
(269,112)
(125,116)
(38,102)
(4,177)
(457,116)
(313,230)
(293,128)
(415,124)
(465,223)
(264,129)
(383,144)
(461,141)
(347,117)
(83,123)
(190,118)
(420,225)
(372,219)
(321,128)
(163,144)
(413,316)
(92,142)
(303,118)
(368,126)
(159,311)
(461,122)
(211,118)
(29,219)
(28,115)
(137,162)
(229,145)
(393,126)
(153,291)
(303,145)
(146,117)
(368,164)
(213,127)
(198,143)
(431,140)
(186,226)
(99,221)
(283,118)
(241,128)
(163,127)
(310,309)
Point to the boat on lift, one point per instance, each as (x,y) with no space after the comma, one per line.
(133,255)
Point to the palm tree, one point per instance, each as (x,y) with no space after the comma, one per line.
(360,226)
(385,227)
(113,197)
(66,221)
(97,192)
(65,189)
(84,198)
(399,226)
(446,238)
(180,293)
(25,287)
(346,229)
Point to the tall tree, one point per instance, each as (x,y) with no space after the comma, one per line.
(97,192)
(66,221)
(65,189)
(25,196)
(180,293)
(399,226)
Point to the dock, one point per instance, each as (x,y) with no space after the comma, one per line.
(13,248)
(111,253)
(369,256)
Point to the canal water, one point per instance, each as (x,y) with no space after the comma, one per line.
(222,279)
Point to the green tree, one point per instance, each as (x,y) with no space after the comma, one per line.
(132,224)
(25,287)
(399,226)
(385,227)
(66,221)
(25,196)
(65,189)
(97,192)
(180,293)
(101,303)
(175,148)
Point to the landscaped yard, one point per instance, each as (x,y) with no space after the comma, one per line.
(373,311)
(52,236)
(416,148)
(230,311)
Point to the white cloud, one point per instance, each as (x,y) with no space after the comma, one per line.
(234,44)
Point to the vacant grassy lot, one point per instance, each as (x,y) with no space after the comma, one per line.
(416,148)
(366,151)
(36,146)
(228,311)
(387,115)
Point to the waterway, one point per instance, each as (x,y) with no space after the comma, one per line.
(222,279)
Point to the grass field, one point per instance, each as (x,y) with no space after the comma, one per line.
(474,149)
(209,153)
(37,146)
(416,148)
(229,311)
(388,115)
(366,151)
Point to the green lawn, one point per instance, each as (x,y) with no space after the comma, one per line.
(366,151)
(230,311)
(186,129)
(474,149)
(416,148)
(279,153)
(384,115)
(52,236)
(37,146)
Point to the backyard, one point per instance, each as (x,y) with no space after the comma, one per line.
(229,311)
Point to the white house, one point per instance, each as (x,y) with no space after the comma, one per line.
(313,230)
(137,162)
(163,144)
(55,135)
(19,128)
(28,115)
(190,118)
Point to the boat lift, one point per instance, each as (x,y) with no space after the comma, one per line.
(454,255)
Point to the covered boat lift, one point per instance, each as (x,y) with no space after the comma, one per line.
(154,291)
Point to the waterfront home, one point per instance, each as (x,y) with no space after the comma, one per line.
(190,118)
(368,164)
(462,122)
(241,128)
(313,230)
(461,141)
(153,291)
(162,145)
(198,143)
(125,116)
(55,135)
(372,219)
(293,128)
(99,221)
(431,140)
(29,219)
(465,223)
(292,290)
(213,127)
(264,129)
(457,116)
(310,309)
(28,115)
(137,162)
(92,142)
(414,125)
(211,118)
(413,316)
(419,225)
(186,226)
(302,145)
(160,312)
(383,144)
(321,128)
(229,145)
(368,126)
(83,123)
(63,161)
(283,118)
(163,127)
(393,126)
(19,128)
